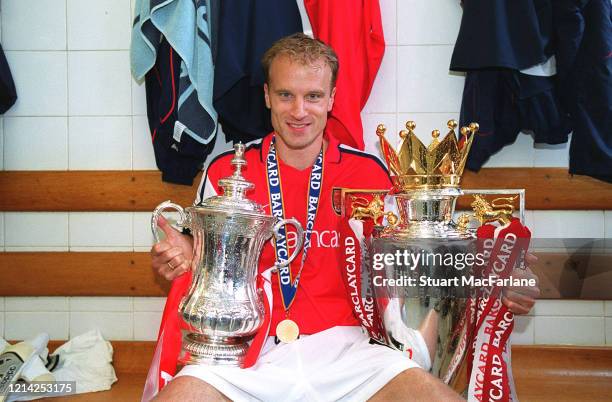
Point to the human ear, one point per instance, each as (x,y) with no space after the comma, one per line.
(331,99)
(267,95)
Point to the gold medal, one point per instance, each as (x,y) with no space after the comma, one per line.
(287,331)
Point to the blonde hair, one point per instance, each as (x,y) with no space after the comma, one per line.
(303,49)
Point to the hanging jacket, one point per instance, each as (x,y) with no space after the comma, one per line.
(513,34)
(179,159)
(247,28)
(501,45)
(354,30)
(184,124)
(584,35)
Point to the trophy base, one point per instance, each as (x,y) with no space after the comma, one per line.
(199,349)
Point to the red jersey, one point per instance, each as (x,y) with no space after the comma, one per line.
(321,301)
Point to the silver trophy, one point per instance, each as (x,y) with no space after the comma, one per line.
(426,313)
(434,302)
(223,309)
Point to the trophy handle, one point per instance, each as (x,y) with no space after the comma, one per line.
(158,211)
(300,239)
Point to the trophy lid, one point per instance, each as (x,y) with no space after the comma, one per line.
(417,166)
(234,187)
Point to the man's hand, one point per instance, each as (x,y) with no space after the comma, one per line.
(171,257)
(520,299)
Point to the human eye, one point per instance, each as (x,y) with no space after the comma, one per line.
(284,94)
(315,96)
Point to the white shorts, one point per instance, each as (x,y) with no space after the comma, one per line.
(338,364)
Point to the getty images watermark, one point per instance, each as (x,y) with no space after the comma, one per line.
(37,389)
(403,269)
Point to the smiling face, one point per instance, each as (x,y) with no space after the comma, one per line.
(299,97)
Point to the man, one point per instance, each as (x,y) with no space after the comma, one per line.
(332,359)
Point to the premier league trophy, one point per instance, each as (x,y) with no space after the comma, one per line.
(418,267)
(426,180)
(222,309)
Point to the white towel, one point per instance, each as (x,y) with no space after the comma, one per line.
(85,359)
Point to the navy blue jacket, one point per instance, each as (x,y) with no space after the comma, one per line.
(506,33)
(247,28)
(181,161)
(584,62)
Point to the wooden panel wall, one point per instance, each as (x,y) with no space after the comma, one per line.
(79,274)
(546,188)
(577,276)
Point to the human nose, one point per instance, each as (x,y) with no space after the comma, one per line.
(298,111)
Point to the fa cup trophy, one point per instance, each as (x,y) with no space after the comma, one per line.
(418,265)
(223,309)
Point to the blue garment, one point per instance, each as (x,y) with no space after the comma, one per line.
(497,39)
(505,102)
(512,34)
(179,161)
(185,28)
(184,24)
(584,32)
(247,28)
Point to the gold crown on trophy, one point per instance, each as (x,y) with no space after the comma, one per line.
(439,165)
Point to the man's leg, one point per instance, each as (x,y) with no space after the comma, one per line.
(416,385)
(187,389)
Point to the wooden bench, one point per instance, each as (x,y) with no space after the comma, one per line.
(542,373)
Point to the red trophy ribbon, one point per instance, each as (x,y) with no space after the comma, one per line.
(168,347)
(489,365)
(360,293)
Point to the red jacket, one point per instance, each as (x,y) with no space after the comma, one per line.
(354,30)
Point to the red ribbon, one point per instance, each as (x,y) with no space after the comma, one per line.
(364,305)
(169,338)
(489,366)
